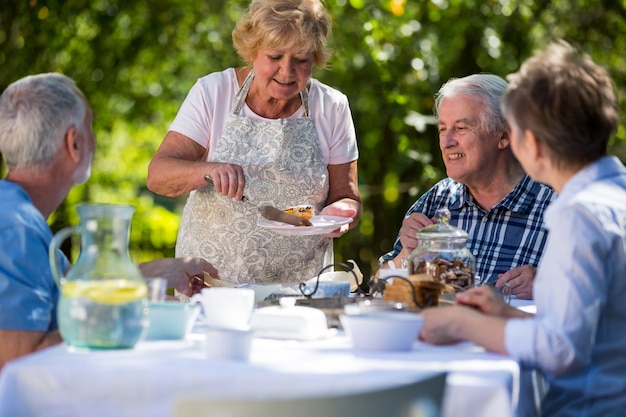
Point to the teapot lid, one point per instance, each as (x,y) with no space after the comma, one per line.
(442,230)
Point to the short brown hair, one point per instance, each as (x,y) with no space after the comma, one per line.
(567,101)
(284,24)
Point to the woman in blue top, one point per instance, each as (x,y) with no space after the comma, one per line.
(563,108)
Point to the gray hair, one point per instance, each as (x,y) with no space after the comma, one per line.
(35,113)
(486,88)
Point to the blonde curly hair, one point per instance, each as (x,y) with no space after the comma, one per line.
(284,24)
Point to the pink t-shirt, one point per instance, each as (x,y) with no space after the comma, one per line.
(203,114)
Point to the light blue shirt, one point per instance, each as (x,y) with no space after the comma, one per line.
(578,337)
(28,294)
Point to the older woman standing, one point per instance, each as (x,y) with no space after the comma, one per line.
(269,131)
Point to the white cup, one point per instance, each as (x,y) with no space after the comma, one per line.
(230,344)
(226,307)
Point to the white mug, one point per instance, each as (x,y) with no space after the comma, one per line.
(232,344)
(226,307)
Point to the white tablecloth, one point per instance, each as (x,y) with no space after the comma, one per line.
(145,381)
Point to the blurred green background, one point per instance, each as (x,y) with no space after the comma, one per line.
(137,60)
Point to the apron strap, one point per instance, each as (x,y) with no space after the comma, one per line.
(242,94)
(304,96)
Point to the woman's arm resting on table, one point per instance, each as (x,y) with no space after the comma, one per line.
(479,316)
(446,325)
(343,195)
(178,167)
(487,301)
(16,343)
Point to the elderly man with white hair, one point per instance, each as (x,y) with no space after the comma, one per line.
(47,141)
(487,192)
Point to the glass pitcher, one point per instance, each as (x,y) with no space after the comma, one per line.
(103,298)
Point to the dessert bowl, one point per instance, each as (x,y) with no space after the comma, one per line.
(382,331)
(171,320)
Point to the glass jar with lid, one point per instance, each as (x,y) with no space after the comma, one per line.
(442,254)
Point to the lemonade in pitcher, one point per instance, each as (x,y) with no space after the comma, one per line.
(103,297)
(103,314)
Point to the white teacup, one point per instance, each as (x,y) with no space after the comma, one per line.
(232,344)
(226,307)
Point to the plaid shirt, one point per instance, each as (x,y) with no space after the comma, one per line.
(509,235)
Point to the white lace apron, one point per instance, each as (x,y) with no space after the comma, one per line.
(284,166)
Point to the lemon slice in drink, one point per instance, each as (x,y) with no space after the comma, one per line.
(115,291)
(72,289)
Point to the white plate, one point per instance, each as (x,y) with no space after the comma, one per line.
(321,225)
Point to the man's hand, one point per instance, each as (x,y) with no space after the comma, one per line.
(183,274)
(520,280)
(410,226)
(408,238)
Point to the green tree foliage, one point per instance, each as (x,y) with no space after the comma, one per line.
(136,61)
